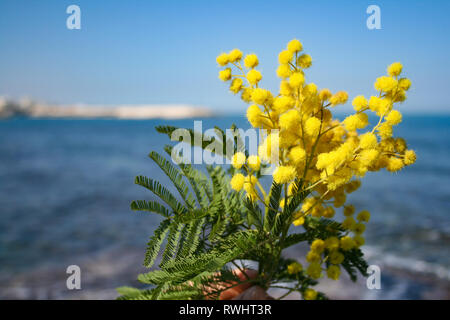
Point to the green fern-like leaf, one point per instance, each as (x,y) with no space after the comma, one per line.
(192,237)
(197,180)
(254,215)
(185,268)
(155,242)
(150,206)
(172,242)
(295,238)
(162,193)
(274,203)
(175,176)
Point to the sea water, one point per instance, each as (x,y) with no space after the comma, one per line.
(66,187)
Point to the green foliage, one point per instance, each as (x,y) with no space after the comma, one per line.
(150,206)
(162,193)
(208,230)
(154,245)
(354,262)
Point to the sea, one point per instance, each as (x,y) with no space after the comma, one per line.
(66,188)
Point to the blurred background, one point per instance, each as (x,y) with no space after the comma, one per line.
(78,109)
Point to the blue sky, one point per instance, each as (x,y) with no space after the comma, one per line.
(139,52)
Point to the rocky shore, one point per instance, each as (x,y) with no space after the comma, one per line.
(28,108)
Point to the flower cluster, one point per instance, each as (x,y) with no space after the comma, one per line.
(329,155)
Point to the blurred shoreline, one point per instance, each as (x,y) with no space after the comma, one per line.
(33,109)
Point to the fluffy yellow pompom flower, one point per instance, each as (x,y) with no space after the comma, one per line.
(237,182)
(333,272)
(294,268)
(400,96)
(363,120)
(368,141)
(299,221)
(297,154)
(395,69)
(285,57)
(347,243)
(296,80)
(260,96)
(332,243)
(336,257)
(384,106)
(348,223)
(353,186)
(318,245)
(251,60)
(385,130)
(294,46)
(250,180)
(325,94)
(312,256)
(314,270)
(310,89)
(222,59)
(283,103)
(349,210)
(246,95)
(363,216)
(359,103)
(255,115)
(235,55)
(359,228)
(400,144)
(354,122)
(385,84)
(254,162)
(310,294)
(254,76)
(404,84)
(339,200)
(236,85)
(368,156)
(268,150)
(304,61)
(394,164)
(324,160)
(410,157)
(238,160)
(312,126)
(284,174)
(225,75)
(285,88)
(290,119)
(359,240)
(328,212)
(374,103)
(284,71)
(394,117)
(340,97)
(249,186)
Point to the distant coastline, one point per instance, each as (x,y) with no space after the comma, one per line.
(32,109)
